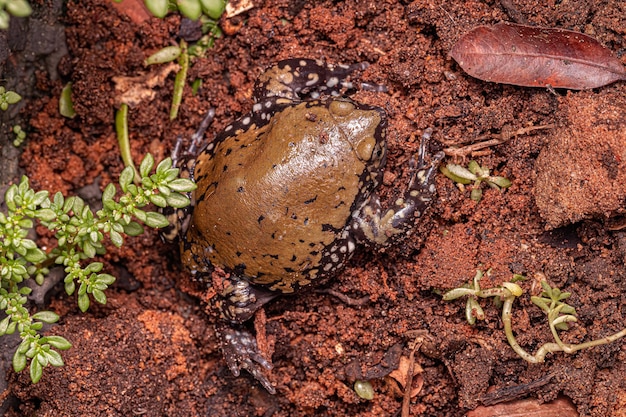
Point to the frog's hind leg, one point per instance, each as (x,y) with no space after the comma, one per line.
(237,303)
(294,79)
(240,299)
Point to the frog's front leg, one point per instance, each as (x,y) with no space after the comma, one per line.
(371,225)
(237,303)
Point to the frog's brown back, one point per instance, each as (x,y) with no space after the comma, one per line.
(271,199)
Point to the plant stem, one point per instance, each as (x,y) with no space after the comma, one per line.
(121,128)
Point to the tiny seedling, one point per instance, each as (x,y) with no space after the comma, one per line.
(66,105)
(184,55)
(551,301)
(192,9)
(80,234)
(7,98)
(207,12)
(20,135)
(17,8)
(475,174)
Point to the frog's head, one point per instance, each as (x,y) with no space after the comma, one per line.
(363,126)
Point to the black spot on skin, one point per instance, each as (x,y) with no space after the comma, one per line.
(310,244)
(289,270)
(240,190)
(238,253)
(228,234)
(260,219)
(274,235)
(293,258)
(228,151)
(314,253)
(329,228)
(310,200)
(240,269)
(306,221)
(225,168)
(271,256)
(294,216)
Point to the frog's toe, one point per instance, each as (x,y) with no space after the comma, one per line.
(241,352)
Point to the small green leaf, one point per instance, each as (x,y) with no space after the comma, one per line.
(109,193)
(19,361)
(158,200)
(66,105)
(35,256)
(564,295)
(94,267)
(70,287)
(164,165)
(457,293)
(105,279)
(133,229)
(177,200)
(140,214)
(540,302)
(126,178)
(213,8)
(182,185)
(9,197)
(546,287)
(46,316)
(476,194)
(146,165)
(4,325)
(11,328)
(12,97)
(191,9)
(459,174)
(156,220)
(473,311)
(18,8)
(54,358)
(99,296)
(4,24)
(24,346)
(475,168)
(513,288)
(167,54)
(58,342)
(116,238)
(89,249)
(159,8)
(45,214)
(561,326)
(83,302)
(36,370)
(500,181)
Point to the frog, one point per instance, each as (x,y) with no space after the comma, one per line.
(287,194)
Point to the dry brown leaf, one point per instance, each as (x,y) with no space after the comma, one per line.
(536,57)
(561,407)
(400,375)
